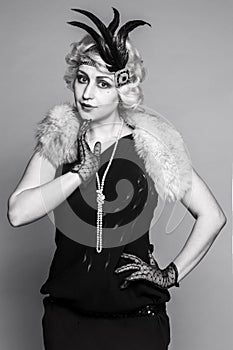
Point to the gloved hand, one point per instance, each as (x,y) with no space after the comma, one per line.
(89,162)
(162,278)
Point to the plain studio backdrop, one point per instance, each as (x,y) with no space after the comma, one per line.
(188,55)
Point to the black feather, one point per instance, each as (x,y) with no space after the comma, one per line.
(99,24)
(101,45)
(120,38)
(111,46)
(115,22)
(128,27)
(111,52)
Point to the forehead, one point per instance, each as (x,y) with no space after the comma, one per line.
(94,72)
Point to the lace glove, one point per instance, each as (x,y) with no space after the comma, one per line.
(163,279)
(89,161)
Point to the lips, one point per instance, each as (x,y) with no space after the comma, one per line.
(87,106)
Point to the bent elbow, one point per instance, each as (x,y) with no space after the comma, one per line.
(220,221)
(220,218)
(14,215)
(12,219)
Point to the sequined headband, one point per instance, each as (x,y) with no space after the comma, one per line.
(121,77)
(111,46)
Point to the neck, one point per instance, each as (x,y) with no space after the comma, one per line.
(104,130)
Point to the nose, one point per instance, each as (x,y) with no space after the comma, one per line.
(89,92)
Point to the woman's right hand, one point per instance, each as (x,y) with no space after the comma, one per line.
(89,161)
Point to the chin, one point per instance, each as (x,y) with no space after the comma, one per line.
(83,114)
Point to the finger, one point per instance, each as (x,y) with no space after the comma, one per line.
(136,276)
(127,267)
(131,256)
(133,277)
(97,149)
(81,149)
(86,124)
(85,144)
(81,129)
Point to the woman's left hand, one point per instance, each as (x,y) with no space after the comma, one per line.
(151,272)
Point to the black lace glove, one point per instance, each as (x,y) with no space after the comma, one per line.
(89,161)
(162,278)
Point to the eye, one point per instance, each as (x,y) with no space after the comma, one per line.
(82,79)
(103,84)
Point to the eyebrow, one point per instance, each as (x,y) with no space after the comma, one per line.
(98,76)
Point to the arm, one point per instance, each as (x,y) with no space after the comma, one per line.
(210,220)
(38,192)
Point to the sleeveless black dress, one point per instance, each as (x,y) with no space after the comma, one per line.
(85,307)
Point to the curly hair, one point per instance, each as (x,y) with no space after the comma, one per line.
(130,94)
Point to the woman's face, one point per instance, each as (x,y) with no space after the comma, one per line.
(95,93)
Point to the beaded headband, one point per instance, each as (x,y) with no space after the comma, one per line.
(111,46)
(121,77)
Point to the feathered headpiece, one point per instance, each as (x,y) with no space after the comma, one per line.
(111,45)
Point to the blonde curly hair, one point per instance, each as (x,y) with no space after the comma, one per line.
(130,94)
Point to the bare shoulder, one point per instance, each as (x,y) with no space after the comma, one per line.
(199,199)
(38,171)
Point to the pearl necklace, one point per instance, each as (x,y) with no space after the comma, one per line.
(101,197)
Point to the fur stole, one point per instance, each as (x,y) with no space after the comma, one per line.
(156,141)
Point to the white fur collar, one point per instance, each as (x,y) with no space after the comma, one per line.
(156,141)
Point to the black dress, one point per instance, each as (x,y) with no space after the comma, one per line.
(85,307)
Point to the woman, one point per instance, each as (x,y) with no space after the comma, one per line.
(100,165)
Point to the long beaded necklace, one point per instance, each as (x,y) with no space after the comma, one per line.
(101,197)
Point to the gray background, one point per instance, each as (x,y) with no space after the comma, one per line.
(188,54)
